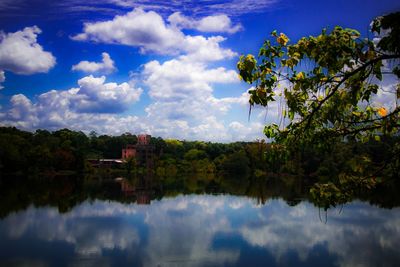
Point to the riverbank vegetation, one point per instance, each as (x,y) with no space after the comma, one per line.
(241,168)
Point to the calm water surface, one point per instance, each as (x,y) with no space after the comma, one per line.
(201,230)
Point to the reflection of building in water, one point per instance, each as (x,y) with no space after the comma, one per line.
(143,197)
(126,187)
(142,189)
(143,151)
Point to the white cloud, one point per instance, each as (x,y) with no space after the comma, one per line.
(242,100)
(180,78)
(94,96)
(23,112)
(48,118)
(148,31)
(202,49)
(183,90)
(219,23)
(215,23)
(20,53)
(105,66)
(91,106)
(98,96)
(2,78)
(251,131)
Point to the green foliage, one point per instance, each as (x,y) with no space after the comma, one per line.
(130,164)
(329,84)
(236,164)
(195,154)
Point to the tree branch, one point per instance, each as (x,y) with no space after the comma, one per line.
(345,77)
(397,110)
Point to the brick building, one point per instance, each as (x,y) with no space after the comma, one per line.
(143,151)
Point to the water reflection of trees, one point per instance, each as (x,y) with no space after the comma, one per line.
(65,192)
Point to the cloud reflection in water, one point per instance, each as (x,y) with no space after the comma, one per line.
(201,231)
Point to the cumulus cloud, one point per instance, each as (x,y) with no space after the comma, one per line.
(246,132)
(149,32)
(195,115)
(95,96)
(89,106)
(202,49)
(98,96)
(20,53)
(22,113)
(105,66)
(137,28)
(183,90)
(215,23)
(178,78)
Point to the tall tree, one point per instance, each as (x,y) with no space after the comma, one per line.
(331,85)
(329,82)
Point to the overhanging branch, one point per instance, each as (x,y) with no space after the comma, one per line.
(308,118)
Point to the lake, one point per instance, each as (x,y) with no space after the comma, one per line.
(197,230)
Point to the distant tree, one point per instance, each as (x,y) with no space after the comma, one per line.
(130,164)
(174,147)
(93,135)
(195,154)
(236,164)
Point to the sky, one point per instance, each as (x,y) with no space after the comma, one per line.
(166,68)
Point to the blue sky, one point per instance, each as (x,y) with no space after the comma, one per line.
(162,67)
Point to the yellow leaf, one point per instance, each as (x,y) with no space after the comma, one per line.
(282,39)
(296,55)
(300,75)
(266,71)
(250,57)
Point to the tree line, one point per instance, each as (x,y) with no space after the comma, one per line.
(66,150)
(196,165)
